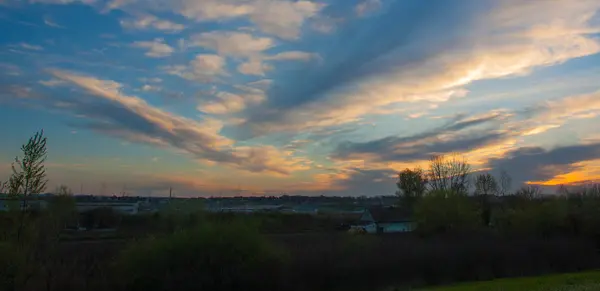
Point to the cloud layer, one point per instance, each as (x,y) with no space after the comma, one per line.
(133,119)
(309,96)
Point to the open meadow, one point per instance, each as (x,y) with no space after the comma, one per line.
(585,281)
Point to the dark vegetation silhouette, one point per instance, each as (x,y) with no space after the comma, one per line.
(470,226)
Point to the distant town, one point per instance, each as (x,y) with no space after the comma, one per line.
(133,205)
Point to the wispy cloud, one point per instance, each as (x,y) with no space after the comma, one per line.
(312,95)
(133,119)
(413,64)
(254,67)
(462,134)
(247,46)
(284,23)
(150,80)
(367,6)
(459,135)
(52,82)
(232,43)
(204,68)
(48,21)
(292,56)
(227,103)
(147,21)
(157,48)
(63,1)
(31,47)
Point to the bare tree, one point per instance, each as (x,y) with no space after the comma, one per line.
(412,184)
(485,184)
(562,190)
(529,192)
(3,185)
(449,173)
(505,183)
(592,190)
(63,190)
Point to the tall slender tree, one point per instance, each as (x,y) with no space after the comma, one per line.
(505,183)
(29,175)
(485,187)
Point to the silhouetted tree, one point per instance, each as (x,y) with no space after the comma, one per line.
(26,238)
(449,173)
(29,175)
(485,184)
(529,192)
(505,183)
(412,184)
(442,211)
(485,187)
(562,190)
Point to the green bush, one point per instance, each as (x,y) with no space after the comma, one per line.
(212,256)
(444,211)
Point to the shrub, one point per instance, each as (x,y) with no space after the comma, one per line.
(100,218)
(212,256)
(443,211)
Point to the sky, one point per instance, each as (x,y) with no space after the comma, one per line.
(319,97)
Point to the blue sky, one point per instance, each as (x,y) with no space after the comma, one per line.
(220,97)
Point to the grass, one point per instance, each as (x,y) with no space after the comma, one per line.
(572,282)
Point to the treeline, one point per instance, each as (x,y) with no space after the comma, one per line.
(460,236)
(450,198)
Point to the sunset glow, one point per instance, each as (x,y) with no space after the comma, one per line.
(319,97)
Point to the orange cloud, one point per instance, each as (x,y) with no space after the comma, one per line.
(164,129)
(585,172)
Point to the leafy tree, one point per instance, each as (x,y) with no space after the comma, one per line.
(29,173)
(443,211)
(412,184)
(24,243)
(449,173)
(537,216)
(583,217)
(29,176)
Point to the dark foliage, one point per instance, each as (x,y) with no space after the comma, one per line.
(212,256)
(99,218)
(338,262)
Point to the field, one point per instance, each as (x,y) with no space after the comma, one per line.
(586,281)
